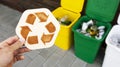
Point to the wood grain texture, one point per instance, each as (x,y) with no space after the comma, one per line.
(22,5)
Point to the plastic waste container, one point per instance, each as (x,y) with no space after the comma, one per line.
(103,11)
(112,53)
(72,9)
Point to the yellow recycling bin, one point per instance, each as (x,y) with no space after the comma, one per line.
(72,9)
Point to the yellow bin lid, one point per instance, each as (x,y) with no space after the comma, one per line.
(73,5)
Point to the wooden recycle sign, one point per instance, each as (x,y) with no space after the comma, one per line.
(38,27)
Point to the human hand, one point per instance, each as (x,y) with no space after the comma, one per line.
(10,51)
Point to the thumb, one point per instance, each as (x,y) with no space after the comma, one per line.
(19,43)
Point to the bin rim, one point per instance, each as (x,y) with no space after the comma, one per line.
(86,37)
(107,39)
(110,45)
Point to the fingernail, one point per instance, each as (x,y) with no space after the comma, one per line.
(22,40)
(23,46)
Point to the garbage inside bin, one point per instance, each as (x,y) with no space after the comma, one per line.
(64,20)
(90,29)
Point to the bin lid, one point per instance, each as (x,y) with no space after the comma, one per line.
(73,5)
(102,10)
(118,19)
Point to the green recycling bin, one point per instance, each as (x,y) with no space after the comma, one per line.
(103,12)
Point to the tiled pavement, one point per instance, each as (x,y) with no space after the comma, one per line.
(51,57)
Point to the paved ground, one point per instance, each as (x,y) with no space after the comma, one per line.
(51,57)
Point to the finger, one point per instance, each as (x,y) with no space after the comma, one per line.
(9,41)
(19,57)
(17,44)
(21,50)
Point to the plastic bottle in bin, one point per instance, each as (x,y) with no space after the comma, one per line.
(92,30)
(64,20)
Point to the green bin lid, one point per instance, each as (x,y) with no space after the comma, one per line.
(102,10)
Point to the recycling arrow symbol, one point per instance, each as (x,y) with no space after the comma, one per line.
(37,27)
(30,20)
